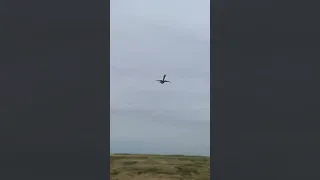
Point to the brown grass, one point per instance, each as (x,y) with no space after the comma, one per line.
(159,167)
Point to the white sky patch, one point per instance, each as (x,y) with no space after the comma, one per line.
(149,39)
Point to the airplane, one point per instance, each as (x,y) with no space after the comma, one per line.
(163,81)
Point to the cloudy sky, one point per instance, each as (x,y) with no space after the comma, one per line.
(148,39)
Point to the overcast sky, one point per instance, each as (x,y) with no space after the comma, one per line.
(148,39)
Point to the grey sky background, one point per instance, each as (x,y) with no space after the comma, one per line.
(148,39)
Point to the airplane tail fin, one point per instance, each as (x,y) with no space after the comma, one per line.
(164,76)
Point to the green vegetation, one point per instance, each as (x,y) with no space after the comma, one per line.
(159,167)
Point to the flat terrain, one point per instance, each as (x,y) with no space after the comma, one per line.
(159,167)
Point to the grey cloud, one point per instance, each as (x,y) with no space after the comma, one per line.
(148,39)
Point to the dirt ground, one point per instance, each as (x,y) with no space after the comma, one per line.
(159,167)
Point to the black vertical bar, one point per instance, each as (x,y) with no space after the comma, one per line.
(54,91)
(267,124)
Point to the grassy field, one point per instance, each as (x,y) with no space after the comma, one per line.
(159,167)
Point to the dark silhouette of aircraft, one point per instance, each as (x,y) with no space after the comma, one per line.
(163,81)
